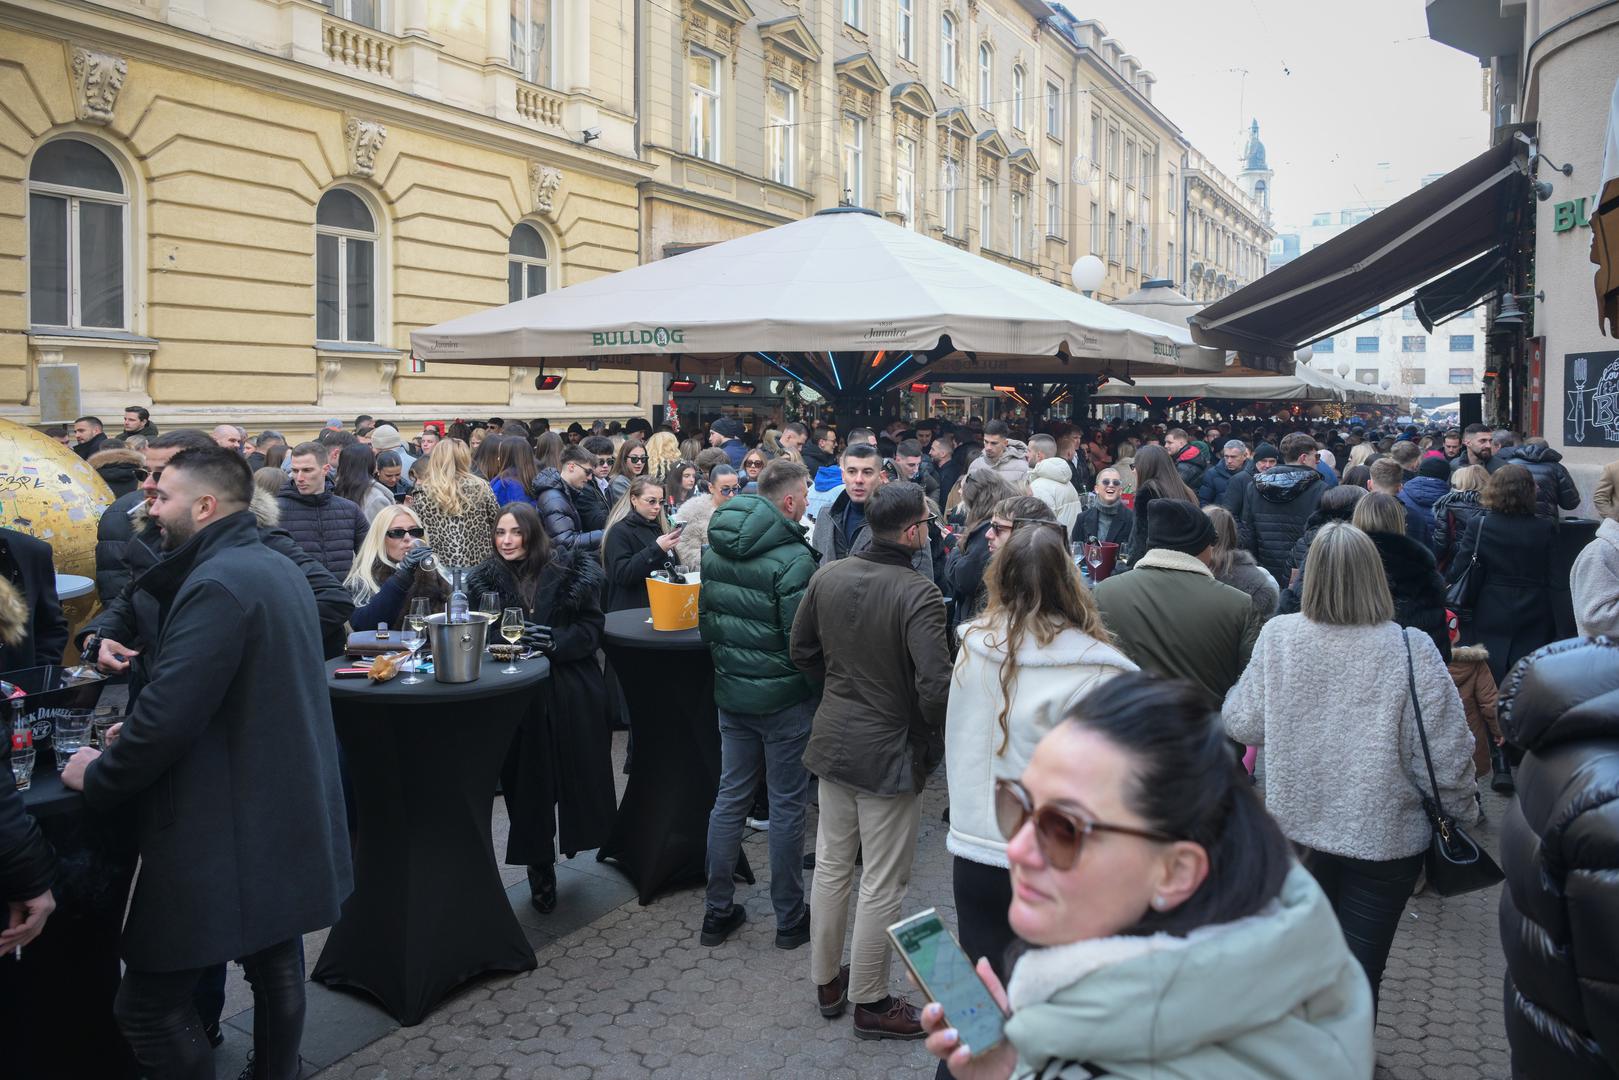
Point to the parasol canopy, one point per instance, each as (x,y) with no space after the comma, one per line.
(1305,384)
(843,301)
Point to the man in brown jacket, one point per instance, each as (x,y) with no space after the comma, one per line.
(872,631)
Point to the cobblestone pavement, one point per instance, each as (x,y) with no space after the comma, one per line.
(631,994)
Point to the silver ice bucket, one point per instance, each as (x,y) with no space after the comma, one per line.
(457,647)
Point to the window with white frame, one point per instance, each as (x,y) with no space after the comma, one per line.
(78,238)
(1461,376)
(854,13)
(1054,111)
(986,75)
(986,210)
(1129,244)
(854,159)
(531,40)
(1143,240)
(703,78)
(952,197)
(905,179)
(783,109)
(365,12)
(1147,177)
(906,25)
(1112,237)
(345,268)
(528,264)
(1096,140)
(1053,208)
(1096,230)
(1019,120)
(1112,151)
(1018,226)
(1130,162)
(947,49)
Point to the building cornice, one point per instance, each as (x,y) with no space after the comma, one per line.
(156,42)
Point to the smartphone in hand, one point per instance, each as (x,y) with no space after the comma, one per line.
(945,973)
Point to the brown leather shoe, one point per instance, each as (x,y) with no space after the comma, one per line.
(833,997)
(901,1020)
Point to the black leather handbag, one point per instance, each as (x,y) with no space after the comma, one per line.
(1454,862)
(1461,596)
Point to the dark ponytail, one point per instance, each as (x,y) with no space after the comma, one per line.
(1189,783)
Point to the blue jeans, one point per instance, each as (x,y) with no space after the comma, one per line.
(772,744)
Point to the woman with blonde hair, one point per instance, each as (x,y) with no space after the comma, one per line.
(662,451)
(1236,566)
(637,540)
(457,508)
(393,566)
(1343,768)
(1361,453)
(1038,647)
(1455,510)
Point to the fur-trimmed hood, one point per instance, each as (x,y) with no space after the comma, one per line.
(119,456)
(13,615)
(693,514)
(1469,654)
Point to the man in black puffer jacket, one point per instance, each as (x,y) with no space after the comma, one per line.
(1554,487)
(556,493)
(1560,853)
(1279,502)
(328,526)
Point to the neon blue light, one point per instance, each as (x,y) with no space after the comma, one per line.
(783,368)
(908,358)
(835,375)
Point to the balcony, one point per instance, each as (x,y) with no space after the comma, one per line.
(539,104)
(357,47)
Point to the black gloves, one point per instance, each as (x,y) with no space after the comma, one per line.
(538,638)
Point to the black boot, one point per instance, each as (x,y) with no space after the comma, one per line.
(1502,780)
(542,888)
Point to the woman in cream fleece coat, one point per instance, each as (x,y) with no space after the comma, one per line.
(1343,771)
(1001,707)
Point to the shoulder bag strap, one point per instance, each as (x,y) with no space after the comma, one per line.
(1416,706)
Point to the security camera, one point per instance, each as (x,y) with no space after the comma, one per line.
(592,134)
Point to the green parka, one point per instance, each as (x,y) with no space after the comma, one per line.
(755,570)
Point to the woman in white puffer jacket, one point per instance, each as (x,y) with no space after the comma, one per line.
(1041,614)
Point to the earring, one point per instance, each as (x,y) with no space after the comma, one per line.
(1158,902)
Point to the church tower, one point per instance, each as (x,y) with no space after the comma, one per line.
(1255,176)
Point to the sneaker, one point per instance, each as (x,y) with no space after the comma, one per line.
(716,928)
(899,1020)
(793,936)
(761,824)
(833,997)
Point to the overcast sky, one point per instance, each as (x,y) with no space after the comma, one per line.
(1337,87)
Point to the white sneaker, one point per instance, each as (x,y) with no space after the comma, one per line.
(761,824)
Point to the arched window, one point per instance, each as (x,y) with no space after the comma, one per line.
(1017,99)
(986,75)
(528,268)
(78,229)
(947,49)
(345,268)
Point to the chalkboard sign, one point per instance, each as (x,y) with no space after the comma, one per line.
(1591,391)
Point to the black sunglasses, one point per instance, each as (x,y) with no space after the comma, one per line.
(142,473)
(639,459)
(416,532)
(1060,834)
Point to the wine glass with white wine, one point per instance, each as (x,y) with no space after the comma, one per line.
(415,623)
(511,628)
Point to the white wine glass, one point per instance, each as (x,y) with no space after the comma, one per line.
(511,628)
(489,604)
(415,623)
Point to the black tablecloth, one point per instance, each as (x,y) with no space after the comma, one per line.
(660,835)
(428,910)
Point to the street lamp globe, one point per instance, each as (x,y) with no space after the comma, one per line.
(1385,384)
(1302,354)
(1343,369)
(1088,273)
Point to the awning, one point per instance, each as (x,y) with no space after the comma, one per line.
(1460,290)
(1305,384)
(1465,213)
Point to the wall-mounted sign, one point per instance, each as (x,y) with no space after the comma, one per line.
(1570,215)
(1591,387)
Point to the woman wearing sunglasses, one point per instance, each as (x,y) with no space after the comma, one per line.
(629,467)
(393,567)
(1037,648)
(1170,931)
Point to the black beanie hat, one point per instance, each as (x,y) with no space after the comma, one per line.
(1178,526)
(1436,467)
(1266,450)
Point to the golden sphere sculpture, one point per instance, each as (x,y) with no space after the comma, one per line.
(50,493)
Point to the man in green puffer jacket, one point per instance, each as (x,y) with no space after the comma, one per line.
(755,570)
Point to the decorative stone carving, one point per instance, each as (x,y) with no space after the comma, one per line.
(387,369)
(365,138)
(543,181)
(97,78)
(972,9)
(136,366)
(330,368)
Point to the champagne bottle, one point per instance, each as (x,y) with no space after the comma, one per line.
(458,600)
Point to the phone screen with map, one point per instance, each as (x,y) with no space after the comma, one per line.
(944,972)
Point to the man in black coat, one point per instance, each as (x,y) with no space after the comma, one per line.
(556,492)
(27,864)
(328,526)
(27,564)
(1279,502)
(118,527)
(228,765)
(1554,487)
(87,430)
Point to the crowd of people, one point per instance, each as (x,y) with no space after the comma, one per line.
(1192,781)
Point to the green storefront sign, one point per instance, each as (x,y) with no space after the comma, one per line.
(1569,215)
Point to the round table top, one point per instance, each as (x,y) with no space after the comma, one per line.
(71,586)
(633,627)
(47,795)
(430,691)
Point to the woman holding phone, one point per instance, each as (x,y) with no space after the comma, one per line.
(638,541)
(1171,932)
